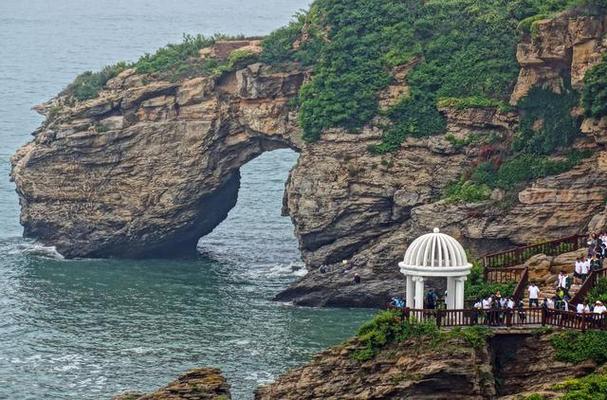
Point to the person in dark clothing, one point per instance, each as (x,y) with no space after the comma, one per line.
(356,279)
(431,298)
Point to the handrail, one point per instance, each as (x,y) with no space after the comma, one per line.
(508,317)
(588,284)
(519,290)
(502,275)
(519,255)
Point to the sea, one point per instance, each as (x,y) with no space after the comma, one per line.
(93,328)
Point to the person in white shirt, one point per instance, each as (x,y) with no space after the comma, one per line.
(487,303)
(585,268)
(599,308)
(510,303)
(534,295)
(580,308)
(577,272)
(561,281)
(549,303)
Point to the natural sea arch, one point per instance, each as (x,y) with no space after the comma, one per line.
(256,229)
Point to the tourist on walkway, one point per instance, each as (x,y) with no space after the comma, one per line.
(431,298)
(599,308)
(356,279)
(521,311)
(585,269)
(595,263)
(534,295)
(581,309)
(577,271)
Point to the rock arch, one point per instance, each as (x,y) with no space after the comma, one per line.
(147,169)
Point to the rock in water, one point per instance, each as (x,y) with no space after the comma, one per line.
(197,384)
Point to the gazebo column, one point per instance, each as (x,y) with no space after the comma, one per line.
(419,292)
(410,292)
(450,293)
(459,290)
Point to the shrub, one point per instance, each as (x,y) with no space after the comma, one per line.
(170,57)
(88,84)
(594,96)
(386,327)
(598,291)
(546,121)
(591,387)
(576,347)
(467,192)
(473,102)
(477,288)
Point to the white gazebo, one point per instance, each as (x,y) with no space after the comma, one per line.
(435,255)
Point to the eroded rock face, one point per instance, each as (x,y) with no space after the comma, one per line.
(560,47)
(401,371)
(150,166)
(513,363)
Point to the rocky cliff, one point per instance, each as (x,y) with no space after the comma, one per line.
(511,365)
(151,165)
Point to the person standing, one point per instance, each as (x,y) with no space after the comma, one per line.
(585,269)
(534,295)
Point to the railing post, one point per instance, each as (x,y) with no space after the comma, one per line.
(544,316)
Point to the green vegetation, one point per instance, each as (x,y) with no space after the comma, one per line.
(594,96)
(591,387)
(386,327)
(598,292)
(88,84)
(473,102)
(173,55)
(476,287)
(524,168)
(463,51)
(546,121)
(467,192)
(173,62)
(576,347)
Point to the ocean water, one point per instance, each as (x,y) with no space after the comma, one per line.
(88,329)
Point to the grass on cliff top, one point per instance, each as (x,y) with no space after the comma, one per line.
(465,53)
(173,62)
(386,328)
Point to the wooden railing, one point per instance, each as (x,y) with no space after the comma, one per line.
(588,284)
(519,255)
(503,275)
(519,290)
(507,318)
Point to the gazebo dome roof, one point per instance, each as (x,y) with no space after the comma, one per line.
(435,254)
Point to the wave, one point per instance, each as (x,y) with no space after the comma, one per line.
(19,246)
(293,268)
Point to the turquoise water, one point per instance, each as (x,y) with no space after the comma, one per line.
(88,329)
